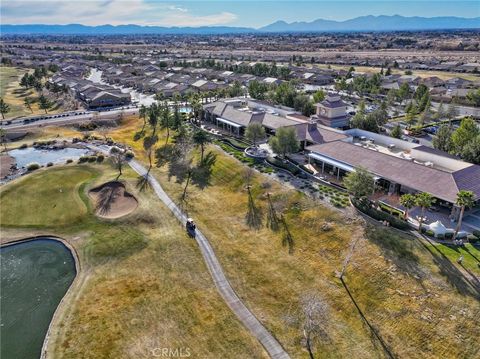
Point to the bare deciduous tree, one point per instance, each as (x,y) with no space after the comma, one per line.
(314,315)
(118,159)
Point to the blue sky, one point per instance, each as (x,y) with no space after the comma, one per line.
(217,12)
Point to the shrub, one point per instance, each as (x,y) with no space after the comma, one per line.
(448,235)
(365,207)
(429,233)
(440,236)
(473,238)
(23,146)
(476,233)
(49,164)
(287,166)
(100,158)
(92,158)
(129,155)
(138,135)
(33,167)
(83,159)
(69,160)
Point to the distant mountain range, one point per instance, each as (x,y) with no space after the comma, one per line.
(376,23)
(78,29)
(363,23)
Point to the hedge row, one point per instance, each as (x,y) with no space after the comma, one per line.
(286,166)
(239,155)
(365,207)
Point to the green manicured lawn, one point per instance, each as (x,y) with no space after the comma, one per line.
(46,199)
(470,253)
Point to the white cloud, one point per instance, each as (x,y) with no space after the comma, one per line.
(100,12)
(191,20)
(178,8)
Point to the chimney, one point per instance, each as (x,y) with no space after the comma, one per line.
(312,124)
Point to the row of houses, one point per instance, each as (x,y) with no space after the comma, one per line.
(93,95)
(169,80)
(440,90)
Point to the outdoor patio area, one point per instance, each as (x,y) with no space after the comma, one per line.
(471,219)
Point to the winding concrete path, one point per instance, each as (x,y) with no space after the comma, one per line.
(271,345)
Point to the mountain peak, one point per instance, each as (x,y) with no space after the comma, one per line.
(376,23)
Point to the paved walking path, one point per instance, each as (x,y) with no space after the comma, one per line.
(272,346)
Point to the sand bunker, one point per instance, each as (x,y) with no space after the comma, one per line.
(112,200)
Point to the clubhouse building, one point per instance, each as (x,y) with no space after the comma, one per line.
(398,166)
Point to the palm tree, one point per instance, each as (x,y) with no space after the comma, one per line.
(166,120)
(423,200)
(153,118)
(196,106)
(464,199)
(143,115)
(148,144)
(408,201)
(200,138)
(159,96)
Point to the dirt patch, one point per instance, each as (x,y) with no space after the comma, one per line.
(6,163)
(112,200)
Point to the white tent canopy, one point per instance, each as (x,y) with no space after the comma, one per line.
(438,228)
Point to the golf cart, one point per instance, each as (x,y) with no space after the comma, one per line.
(190,227)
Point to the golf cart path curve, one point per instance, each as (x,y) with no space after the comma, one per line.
(272,346)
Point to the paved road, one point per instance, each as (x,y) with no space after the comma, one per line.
(271,345)
(18,124)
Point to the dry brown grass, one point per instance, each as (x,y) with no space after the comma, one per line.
(420,304)
(419,301)
(421,73)
(14,95)
(143,284)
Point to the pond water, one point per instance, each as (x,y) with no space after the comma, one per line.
(35,275)
(23,157)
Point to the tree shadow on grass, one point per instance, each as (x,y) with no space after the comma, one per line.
(375,336)
(452,274)
(143,183)
(273,221)
(287,239)
(471,254)
(165,154)
(202,174)
(475,282)
(398,250)
(254,213)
